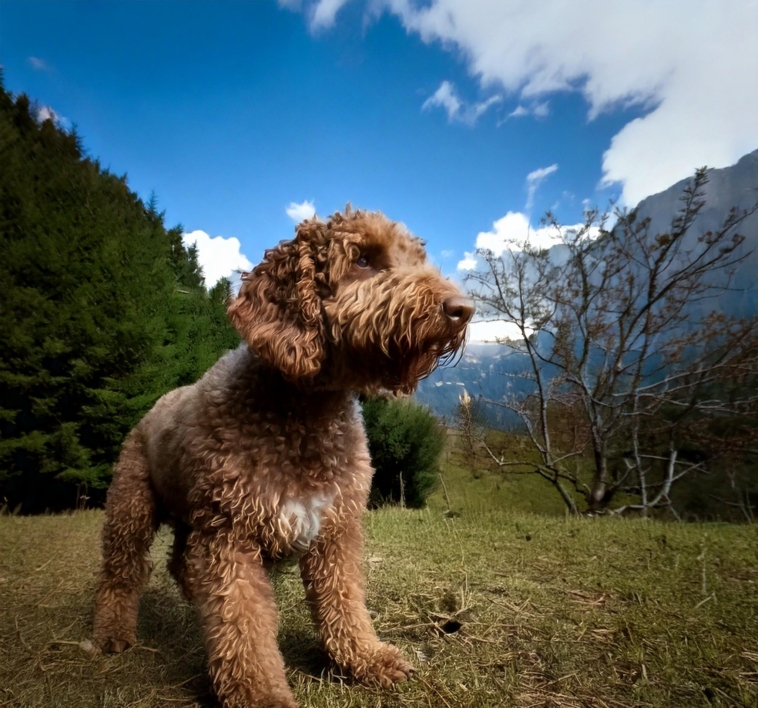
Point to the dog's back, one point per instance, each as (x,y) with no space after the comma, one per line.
(177,419)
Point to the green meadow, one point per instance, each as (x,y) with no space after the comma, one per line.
(497,598)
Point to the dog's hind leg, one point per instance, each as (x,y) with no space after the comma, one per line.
(177,564)
(131,521)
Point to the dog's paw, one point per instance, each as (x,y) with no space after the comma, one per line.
(385,666)
(114,645)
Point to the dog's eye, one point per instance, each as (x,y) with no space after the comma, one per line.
(362,262)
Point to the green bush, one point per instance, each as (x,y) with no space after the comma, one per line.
(406,441)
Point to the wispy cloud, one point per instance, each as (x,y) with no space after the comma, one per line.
(457,110)
(444,97)
(321,13)
(540,109)
(302,211)
(684,62)
(38,64)
(325,12)
(534,179)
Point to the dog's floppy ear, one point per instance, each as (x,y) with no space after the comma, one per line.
(278,309)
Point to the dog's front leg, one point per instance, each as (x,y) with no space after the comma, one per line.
(231,590)
(334,586)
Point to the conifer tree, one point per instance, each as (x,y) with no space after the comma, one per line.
(103,311)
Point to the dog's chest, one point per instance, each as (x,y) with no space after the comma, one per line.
(301,519)
(300,473)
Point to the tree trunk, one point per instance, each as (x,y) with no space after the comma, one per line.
(567,498)
(600,483)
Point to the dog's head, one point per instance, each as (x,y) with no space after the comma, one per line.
(352,299)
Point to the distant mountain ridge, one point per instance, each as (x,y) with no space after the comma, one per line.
(491,370)
(488,370)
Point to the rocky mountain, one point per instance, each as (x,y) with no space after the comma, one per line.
(735,186)
(489,370)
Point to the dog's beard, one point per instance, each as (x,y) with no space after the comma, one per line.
(402,339)
(418,365)
(397,367)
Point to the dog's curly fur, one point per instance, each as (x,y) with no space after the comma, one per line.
(266,456)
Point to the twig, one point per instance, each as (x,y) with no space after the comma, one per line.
(442,698)
(702,602)
(444,489)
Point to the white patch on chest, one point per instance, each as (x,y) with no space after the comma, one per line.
(304,518)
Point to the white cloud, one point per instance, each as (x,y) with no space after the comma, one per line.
(48,113)
(457,111)
(447,253)
(492,331)
(321,14)
(444,97)
(301,212)
(218,256)
(512,232)
(538,110)
(469,262)
(690,63)
(534,179)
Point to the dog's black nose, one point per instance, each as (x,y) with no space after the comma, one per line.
(459,309)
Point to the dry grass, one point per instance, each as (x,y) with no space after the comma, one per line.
(495,608)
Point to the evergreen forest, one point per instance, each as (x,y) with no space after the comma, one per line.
(103,310)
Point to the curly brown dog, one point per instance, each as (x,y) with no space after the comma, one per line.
(266,456)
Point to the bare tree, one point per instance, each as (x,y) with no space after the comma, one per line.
(625,350)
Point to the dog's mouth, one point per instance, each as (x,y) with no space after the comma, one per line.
(442,352)
(400,367)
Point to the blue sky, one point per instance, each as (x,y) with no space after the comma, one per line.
(435,113)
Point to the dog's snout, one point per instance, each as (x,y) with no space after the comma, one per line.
(459,309)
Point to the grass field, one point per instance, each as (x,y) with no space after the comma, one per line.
(494,607)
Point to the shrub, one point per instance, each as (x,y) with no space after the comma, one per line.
(406,441)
